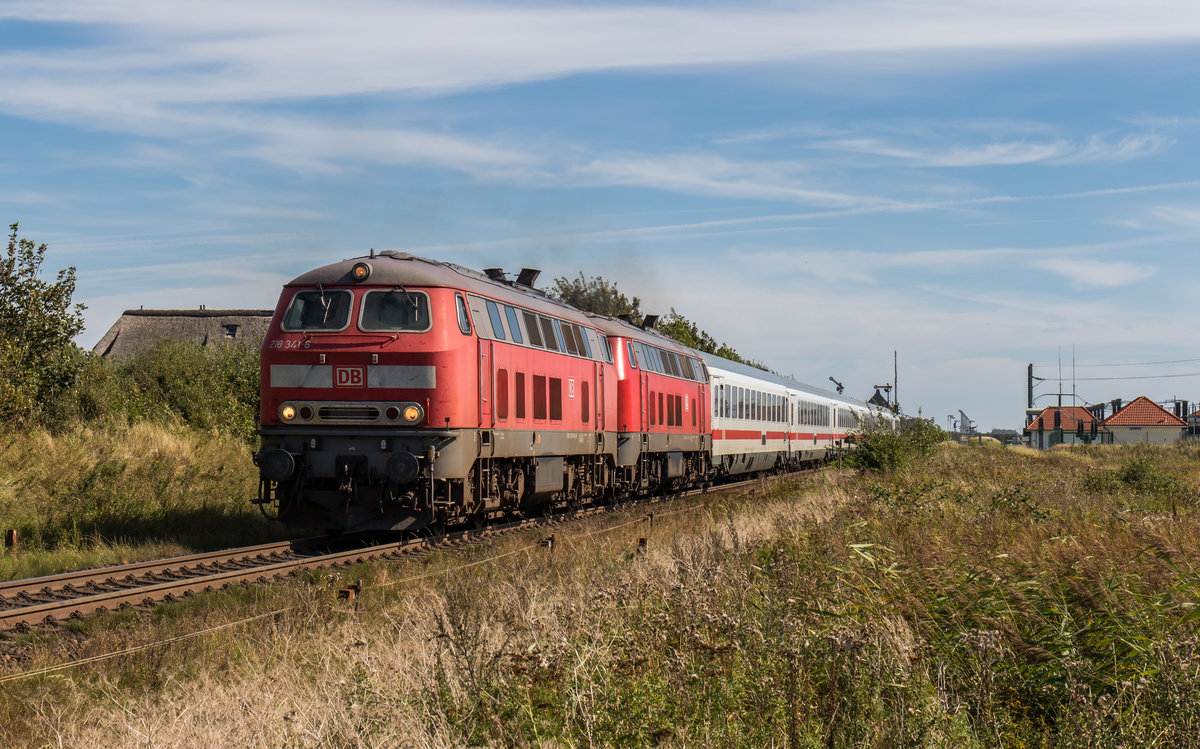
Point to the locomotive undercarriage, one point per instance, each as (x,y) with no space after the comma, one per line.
(409,481)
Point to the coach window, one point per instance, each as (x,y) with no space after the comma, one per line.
(497,320)
(464,320)
(514,325)
(318,309)
(539,397)
(519,394)
(585,407)
(531,325)
(555,399)
(548,336)
(502,394)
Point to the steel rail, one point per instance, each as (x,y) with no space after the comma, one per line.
(154,591)
(50,584)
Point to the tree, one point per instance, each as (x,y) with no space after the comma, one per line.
(596,295)
(602,297)
(691,335)
(38,359)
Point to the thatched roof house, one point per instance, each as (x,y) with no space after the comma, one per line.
(139,329)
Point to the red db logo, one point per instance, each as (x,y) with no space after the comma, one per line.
(349,377)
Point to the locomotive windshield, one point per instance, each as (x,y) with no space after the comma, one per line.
(395,310)
(318,309)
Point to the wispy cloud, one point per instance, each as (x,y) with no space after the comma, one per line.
(1096,274)
(149,56)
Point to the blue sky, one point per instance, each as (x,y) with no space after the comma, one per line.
(976,185)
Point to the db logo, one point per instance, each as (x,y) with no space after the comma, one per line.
(349,377)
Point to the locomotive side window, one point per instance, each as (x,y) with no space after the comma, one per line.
(319,309)
(464,319)
(568,337)
(501,394)
(632,359)
(558,334)
(535,333)
(548,336)
(497,320)
(539,397)
(514,325)
(672,363)
(555,399)
(584,345)
(687,368)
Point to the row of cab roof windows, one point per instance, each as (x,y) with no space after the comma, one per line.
(653,359)
(503,322)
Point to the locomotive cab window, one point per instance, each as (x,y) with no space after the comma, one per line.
(464,319)
(318,309)
(394,310)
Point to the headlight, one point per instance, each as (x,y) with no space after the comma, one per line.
(287,412)
(413,414)
(360,271)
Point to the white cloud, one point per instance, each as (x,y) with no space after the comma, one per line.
(170,54)
(1097,274)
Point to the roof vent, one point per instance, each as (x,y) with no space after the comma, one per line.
(649,321)
(528,276)
(496,274)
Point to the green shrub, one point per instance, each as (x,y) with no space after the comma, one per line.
(880,446)
(173,382)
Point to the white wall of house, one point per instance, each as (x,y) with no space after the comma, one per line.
(1145,435)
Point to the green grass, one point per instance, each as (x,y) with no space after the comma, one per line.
(89,497)
(980,597)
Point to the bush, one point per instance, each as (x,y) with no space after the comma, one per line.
(173,382)
(881,446)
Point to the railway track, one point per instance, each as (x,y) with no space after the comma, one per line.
(55,598)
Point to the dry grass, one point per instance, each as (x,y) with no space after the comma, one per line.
(89,497)
(992,598)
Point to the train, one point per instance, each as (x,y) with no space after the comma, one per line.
(401,393)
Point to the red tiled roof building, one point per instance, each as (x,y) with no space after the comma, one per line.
(1064,425)
(1143,420)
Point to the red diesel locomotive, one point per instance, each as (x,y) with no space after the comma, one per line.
(400,392)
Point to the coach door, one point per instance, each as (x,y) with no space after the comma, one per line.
(789,417)
(485,385)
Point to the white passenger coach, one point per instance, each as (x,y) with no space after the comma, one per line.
(762,420)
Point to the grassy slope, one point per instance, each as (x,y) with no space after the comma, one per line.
(993,598)
(88,497)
